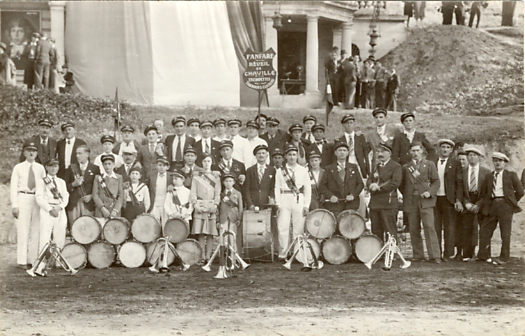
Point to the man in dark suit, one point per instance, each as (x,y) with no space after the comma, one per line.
(303,145)
(67,148)
(403,140)
(44,53)
(341,183)
(176,144)
(331,73)
(127,141)
(382,133)
(259,192)
(419,188)
(358,147)
(316,175)
(149,152)
(321,146)
(500,194)
(392,90)
(228,165)
(46,146)
(207,144)
(386,177)
(275,137)
(349,78)
(473,178)
(79,179)
(129,155)
(449,197)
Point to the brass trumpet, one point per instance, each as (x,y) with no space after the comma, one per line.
(229,258)
(161,264)
(303,246)
(389,249)
(49,254)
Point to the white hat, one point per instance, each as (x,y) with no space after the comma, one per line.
(501,156)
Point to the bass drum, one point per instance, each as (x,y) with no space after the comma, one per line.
(321,223)
(75,255)
(351,224)
(101,254)
(337,250)
(153,253)
(367,247)
(85,230)
(116,231)
(177,229)
(257,236)
(190,251)
(132,254)
(145,228)
(309,257)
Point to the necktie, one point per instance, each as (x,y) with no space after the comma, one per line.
(341,169)
(261,173)
(301,150)
(473,185)
(127,169)
(228,193)
(494,181)
(44,142)
(350,144)
(229,165)
(178,152)
(152,149)
(207,149)
(69,142)
(31,178)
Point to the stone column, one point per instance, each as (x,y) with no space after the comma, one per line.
(58,20)
(312,55)
(271,42)
(347,37)
(338,32)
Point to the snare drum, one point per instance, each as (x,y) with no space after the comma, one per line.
(85,230)
(101,254)
(257,235)
(315,248)
(153,253)
(116,230)
(337,250)
(351,224)
(145,228)
(190,251)
(75,255)
(132,254)
(321,223)
(367,246)
(177,229)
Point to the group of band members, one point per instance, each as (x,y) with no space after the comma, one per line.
(209,180)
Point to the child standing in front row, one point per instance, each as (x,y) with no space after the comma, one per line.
(158,184)
(137,195)
(178,199)
(230,209)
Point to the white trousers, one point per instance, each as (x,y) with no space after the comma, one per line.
(160,214)
(55,225)
(27,227)
(290,213)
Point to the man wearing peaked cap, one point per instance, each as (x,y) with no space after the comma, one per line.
(206,145)
(449,197)
(316,174)
(107,142)
(148,152)
(176,144)
(190,156)
(194,124)
(358,147)
(220,129)
(241,146)
(500,193)
(382,133)
(309,121)
(403,140)
(108,189)
(67,148)
(252,130)
(275,137)
(228,165)
(303,145)
(322,146)
(46,146)
(277,158)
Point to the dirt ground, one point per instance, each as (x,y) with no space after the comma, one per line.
(453,298)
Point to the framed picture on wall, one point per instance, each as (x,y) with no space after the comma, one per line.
(16,30)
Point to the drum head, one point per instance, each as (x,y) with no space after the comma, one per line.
(145,228)
(116,230)
(337,250)
(367,247)
(101,255)
(85,230)
(310,259)
(75,255)
(177,229)
(190,251)
(351,224)
(154,250)
(258,243)
(320,223)
(132,254)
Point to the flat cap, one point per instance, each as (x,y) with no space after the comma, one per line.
(309,117)
(193,120)
(226,143)
(150,128)
(177,120)
(379,110)
(127,128)
(206,123)
(253,124)
(406,115)
(107,157)
(258,148)
(473,150)
(66,125)
(500,156)
(446,141)
(290,148)
(45,122)
(235,121)
(107,138)
(219,121)
(295,127)
(129,150)
(347,117)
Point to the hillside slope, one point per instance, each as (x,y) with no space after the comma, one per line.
(457,70)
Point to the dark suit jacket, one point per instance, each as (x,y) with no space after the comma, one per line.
(116,187)
(453,180)
(327,155)
(148,160)
(332,185)
(188,178)
(483,172)
(215,151)
(42,156)
(44,52)
(256,193)
(374,139)
(122,172)
(61,155)
(116,148)
(389,179)
(228,212)
(427,181)
(75,193)
(401,147)
(237,169)
(317,197)
(168,146)
(278,141)
(361,149)
(512,191)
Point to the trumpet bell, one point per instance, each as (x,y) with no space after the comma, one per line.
(73,271)
(31,272)
(206,267)
(406,264)
(288,264)
(222,274)
(320,264)
(244,264)
(153,269)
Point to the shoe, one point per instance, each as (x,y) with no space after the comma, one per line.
(437,261)
(458,257)
(498,261)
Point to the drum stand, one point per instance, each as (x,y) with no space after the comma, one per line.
(48,257)
(303,246)
(390,248)
(229,258)
(161,264)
